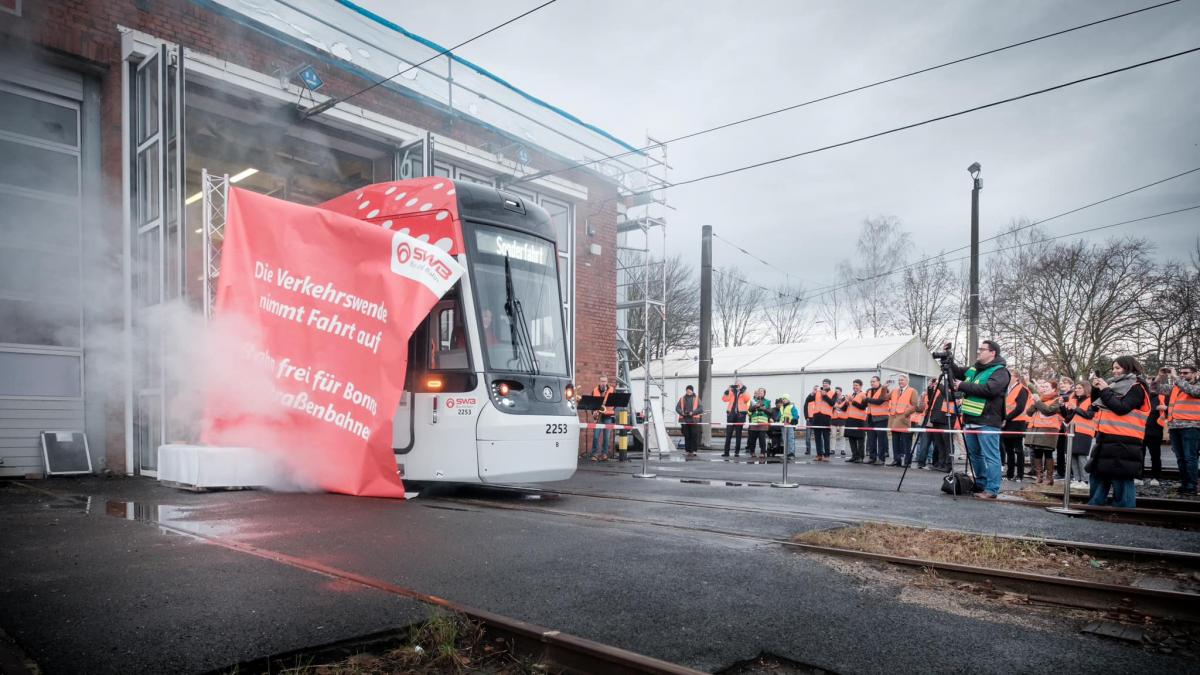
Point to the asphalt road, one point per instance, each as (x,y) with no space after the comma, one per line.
(86,589)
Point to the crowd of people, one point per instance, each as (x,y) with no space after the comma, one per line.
(1012,426)
(1098,431)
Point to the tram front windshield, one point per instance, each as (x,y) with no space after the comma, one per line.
(525,335)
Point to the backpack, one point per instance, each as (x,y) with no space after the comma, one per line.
(958,483)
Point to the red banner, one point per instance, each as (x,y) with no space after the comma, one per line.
(323,304)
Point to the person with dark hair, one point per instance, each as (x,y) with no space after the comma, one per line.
(1066,386)
(1016,421)
(1081,422)
(1159,389)
(856,419)
(902,404)
(736,401)
(789,417)
(690,411)
(983,386)
(810,408)
(1123,407)
(878,415)
(822,418)
(1183,422)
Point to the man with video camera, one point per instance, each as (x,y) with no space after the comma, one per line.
(984,386)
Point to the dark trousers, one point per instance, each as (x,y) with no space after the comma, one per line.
(1014,454)
(1061,457)
(941,450)
(757,435)
(691,436)
(1153,445)
(731,430)
(856,448)
(808,437)
(901,447)
(821,436)
(877,442)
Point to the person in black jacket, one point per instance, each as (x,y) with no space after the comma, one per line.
(1015,420)
(1122,411)
(983,386)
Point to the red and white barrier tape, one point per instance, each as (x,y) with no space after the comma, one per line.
(762,426)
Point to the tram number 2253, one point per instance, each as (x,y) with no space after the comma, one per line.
(556,428)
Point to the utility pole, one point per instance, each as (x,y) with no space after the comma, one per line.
(973,328)
(706,334)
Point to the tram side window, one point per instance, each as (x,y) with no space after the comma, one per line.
(447,335)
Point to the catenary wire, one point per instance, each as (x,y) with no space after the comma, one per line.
(819,290)
(316,110)
(727,125)
(1007,248)
(914,125)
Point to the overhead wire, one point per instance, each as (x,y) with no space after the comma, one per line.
(914,125)
(1043,240)
(318,109)
(796,106)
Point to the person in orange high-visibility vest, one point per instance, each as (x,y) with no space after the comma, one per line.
(1012,446)
(1160,389)
(901,405)
(878,411)
(1044,424)
(1077,413)
(602,438)
(838,433)
(822,417)
(856,419)
(736,401)
(1183,424)
(1123,408)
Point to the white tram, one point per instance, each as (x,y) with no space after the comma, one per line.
(488,397)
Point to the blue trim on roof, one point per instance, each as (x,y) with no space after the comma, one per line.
(483,71)
(367,76)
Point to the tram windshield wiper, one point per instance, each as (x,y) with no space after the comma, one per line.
(519,332)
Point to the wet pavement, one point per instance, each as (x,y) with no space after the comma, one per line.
(101,575)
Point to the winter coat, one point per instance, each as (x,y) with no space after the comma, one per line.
(1047,440)
(993,391)
(1118,457)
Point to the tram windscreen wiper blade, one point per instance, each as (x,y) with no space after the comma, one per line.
(516,320)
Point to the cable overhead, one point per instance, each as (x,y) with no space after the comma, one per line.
(751,255)
(318,109)
(1026,226)
(796,106)
(1006,248)
(914,125)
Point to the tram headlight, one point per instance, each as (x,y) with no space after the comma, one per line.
(569,394)
(501,394)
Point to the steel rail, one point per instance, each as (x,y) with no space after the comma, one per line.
(1183,558)
(1043,588)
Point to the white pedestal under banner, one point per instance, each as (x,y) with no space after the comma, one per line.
(210,467)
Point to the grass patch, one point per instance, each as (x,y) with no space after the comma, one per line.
(996,552)
(445,643)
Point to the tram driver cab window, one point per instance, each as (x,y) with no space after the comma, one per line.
(446,335)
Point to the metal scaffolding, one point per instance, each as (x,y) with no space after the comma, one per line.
(641,294)
(215,191)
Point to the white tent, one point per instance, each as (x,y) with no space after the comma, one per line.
(793,368)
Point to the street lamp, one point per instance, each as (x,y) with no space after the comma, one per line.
(973,327)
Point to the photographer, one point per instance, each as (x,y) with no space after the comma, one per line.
(1183,422)
(822,418)
(856,419)
(691,416)
(984,386)
(736,401)
(760,422)
(1123,408)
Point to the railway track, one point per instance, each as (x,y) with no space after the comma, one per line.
(558,651)
(1042,588)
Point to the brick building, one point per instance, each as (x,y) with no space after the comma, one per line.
(111,109)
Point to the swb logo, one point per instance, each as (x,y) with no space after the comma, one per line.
(423,263)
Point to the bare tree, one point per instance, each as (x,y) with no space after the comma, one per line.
(1074,305)
(681,308)
(736,306)
(785,316)
(928,303)
(831,306)
(882,249)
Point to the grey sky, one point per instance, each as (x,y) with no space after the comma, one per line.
(671,67)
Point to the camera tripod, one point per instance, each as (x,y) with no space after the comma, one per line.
(943,385)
